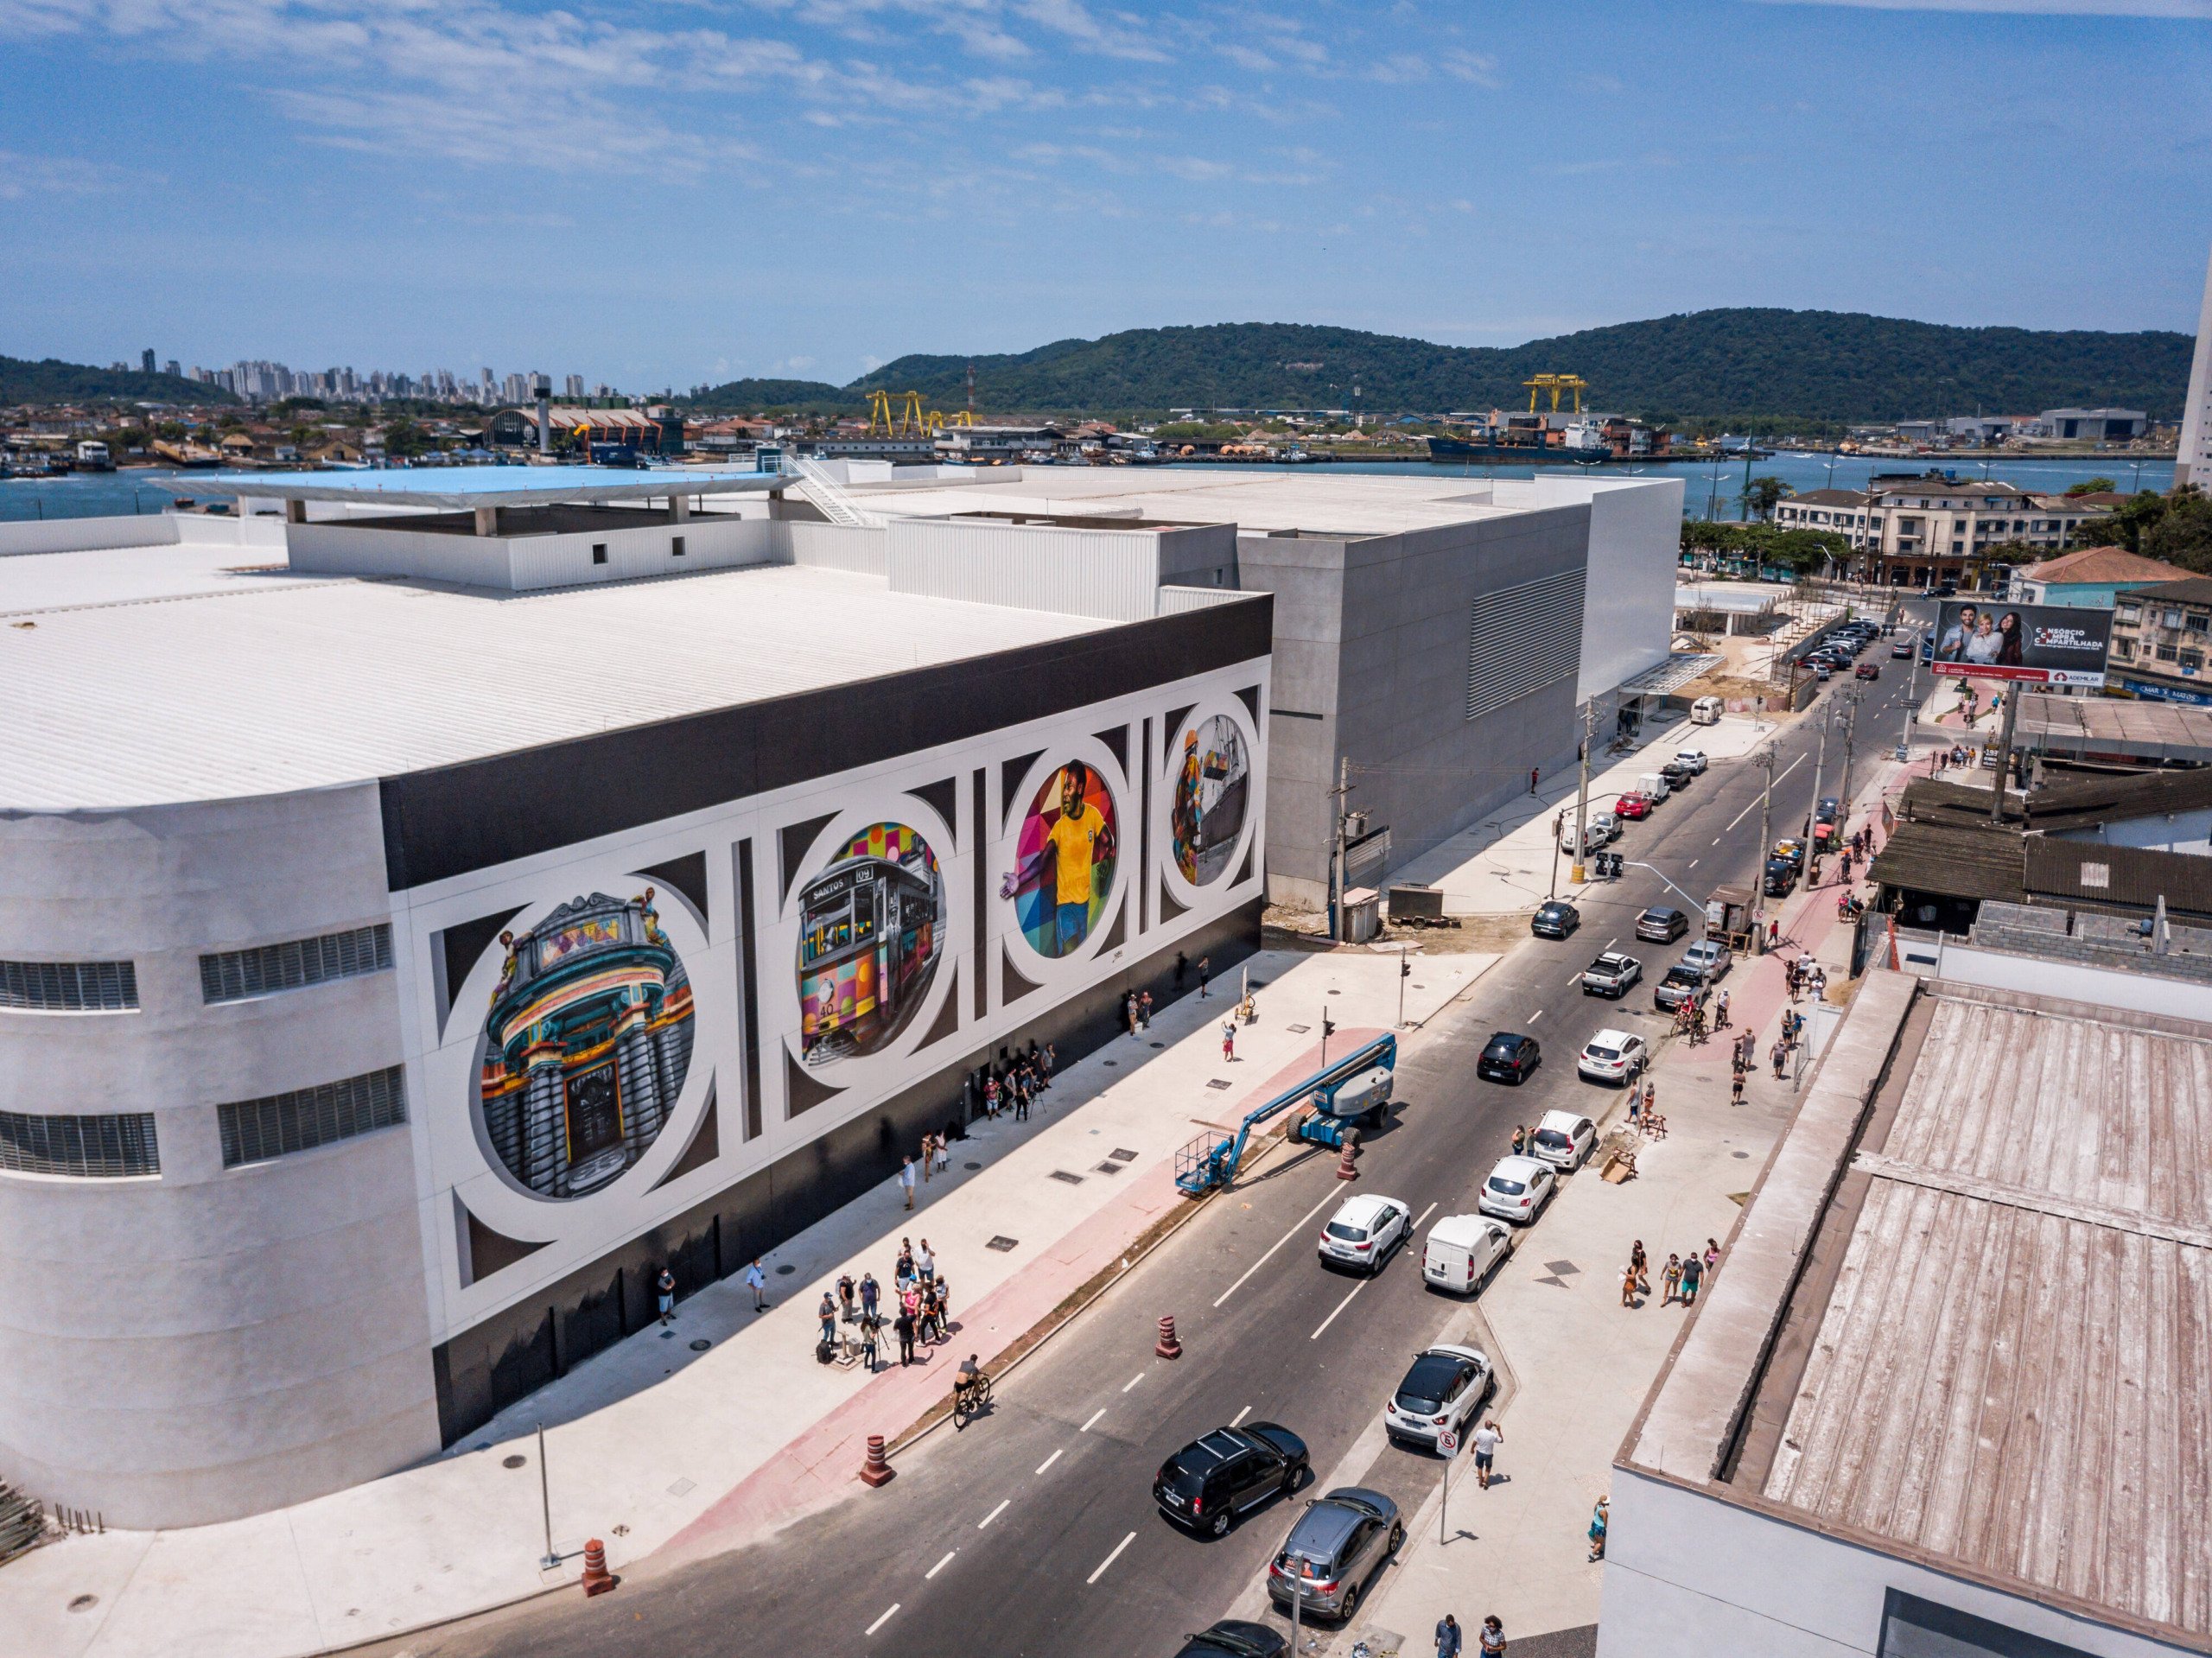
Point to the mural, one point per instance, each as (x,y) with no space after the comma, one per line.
(1065,859)
(1212,790)
(871,930)
(585,1044)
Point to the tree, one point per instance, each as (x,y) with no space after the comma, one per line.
(2092,486)
(2183,534)
(2127,525)
(1761,495)
(404,439)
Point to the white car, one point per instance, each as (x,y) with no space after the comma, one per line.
(1612,1057)
(1710,957)
(1564,1140)
(1443,1391)
(1461,1249)
(1518,1190)
(1605,829)
(1363,1231)
(1693,758)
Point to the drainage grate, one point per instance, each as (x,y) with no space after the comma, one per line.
(972,1166)
(516,1461)
(1109,1168)
(1299,1030)
(1218,1082)
(1002,1243)
(1073,1179)
(1160,1044)
(682,1488)
(1123,1154)
(785,1271)
(701,1345)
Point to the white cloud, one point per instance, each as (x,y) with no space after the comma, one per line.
(2194,10)
(1122,37)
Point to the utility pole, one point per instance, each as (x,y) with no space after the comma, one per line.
(1342,791)
(1765,763)
(1820,763)
(1852,699)
(971,393)
(1582,795)
(2004,751)
(1912,706)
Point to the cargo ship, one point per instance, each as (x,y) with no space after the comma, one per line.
(1581,444)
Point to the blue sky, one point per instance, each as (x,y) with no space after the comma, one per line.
(666,191)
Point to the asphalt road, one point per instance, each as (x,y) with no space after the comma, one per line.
(1033,1532)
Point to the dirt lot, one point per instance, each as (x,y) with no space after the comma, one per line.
(1483,934)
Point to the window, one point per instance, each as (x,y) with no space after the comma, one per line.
(253,1131)
(2169,619)
(2189,661)
(1523,638)
(2128,614)
(69,986)
(235,974)
(675,546)
(2166,653)
(2197,622)
(98,1148)
(599,552)
(2123,647)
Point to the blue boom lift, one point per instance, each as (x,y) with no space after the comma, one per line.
(1357,1088)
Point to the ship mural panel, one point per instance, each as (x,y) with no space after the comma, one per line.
(585,1044)
(871,931)
(1211,791)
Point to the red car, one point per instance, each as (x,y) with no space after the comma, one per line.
(1869,671)
(1632,805)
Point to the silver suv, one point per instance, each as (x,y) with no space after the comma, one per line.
(1334,1551)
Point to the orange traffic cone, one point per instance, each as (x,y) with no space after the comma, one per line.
(597,1579)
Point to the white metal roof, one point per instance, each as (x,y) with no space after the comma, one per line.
(454,488)
(188,683)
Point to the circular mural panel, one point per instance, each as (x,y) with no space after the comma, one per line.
(585,1044)
(1212,789)
(1064,861)
(871,930)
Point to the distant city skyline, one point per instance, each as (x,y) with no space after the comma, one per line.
(809,188)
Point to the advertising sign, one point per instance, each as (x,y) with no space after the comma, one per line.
(2044,644)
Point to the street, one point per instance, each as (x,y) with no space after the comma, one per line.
(1032,1531)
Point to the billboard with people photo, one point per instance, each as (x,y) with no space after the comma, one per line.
(2048,645)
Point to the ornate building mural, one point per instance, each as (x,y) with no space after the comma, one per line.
(585,1044)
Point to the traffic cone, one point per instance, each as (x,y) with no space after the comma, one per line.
(876,1470)
(597,1579)
(1168,1347)
(1346,1170)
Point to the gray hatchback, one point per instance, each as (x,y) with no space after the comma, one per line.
(1334,1551)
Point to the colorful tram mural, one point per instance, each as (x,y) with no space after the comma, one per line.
(586,1046)
(871,929)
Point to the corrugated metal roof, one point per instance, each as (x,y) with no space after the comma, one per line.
(265,684)
(2010,1371)
(1956,860)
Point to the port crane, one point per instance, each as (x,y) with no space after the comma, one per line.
(900,414)
(1557,383)
(1357,1088)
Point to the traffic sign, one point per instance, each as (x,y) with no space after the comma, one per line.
(1447,1442)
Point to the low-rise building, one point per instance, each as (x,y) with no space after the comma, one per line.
(2090,578)
(2159,638)
(2099,425)
(1925,530)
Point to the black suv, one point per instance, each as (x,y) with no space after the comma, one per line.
(1661,925)
(1211,1481)
(1509,1058)
(1234,1638)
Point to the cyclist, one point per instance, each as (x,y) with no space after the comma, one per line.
(967,1377)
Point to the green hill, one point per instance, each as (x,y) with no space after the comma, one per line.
(52,380)
(1823,366)
(801,397)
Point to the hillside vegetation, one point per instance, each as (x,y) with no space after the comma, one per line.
(51,380)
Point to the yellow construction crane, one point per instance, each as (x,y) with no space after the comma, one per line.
(897,414)
(1557,383)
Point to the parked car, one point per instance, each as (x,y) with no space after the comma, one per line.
(1363,1231)
(1711,957)
(1791,848)
(1605,829)
(1677,985)
(1334,1551)
(1221,1475)
(1612,1057)
(1554,919)
(1460,1251)
(1867,670)
(1677,775)
(1661,924)
(1564,1139)
(1633,806)
(1507,1058)
(1233,1637)
(1693,759)
(1612,974)
(1444,1387)
(1518,1190)
(1824,670)
(1781,878)
(1901,652)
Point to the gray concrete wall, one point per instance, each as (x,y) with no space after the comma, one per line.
(1307,576)
(206,1342)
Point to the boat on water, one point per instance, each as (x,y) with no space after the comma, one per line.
(1581,444)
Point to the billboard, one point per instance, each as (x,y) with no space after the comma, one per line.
(2047,645)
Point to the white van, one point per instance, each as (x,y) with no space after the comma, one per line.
(1706,711)
(1653,787)
(1461,1250)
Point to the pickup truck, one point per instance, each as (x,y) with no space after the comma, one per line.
(1612,974)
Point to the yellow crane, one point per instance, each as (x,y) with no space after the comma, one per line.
(1557,383)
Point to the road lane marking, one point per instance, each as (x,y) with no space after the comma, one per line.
(1272,1247)
(885,1619)
(1610,943)
(1341,1306)
(940,1566)
(1693,865)
(1534,1016)
(993,1515)
(1109,1561)
(1049,1460)
(1133,1381)
(1574,977)
(1425,1214)
(1784,773)
(1240,1416)
(1093,1422)
(1716,839)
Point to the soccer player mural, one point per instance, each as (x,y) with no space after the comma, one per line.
(1065,861)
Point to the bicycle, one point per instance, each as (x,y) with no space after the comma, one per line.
(970,1400)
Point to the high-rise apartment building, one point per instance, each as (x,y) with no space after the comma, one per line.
(574,385)
(2193,464)
(146,360)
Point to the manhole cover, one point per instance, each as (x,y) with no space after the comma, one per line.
(83,1603)
(972,1166)
(1109,1168)
(701,1345)
(1299,1030)
(785,1271)
(1111,1062)
(516,1461)
(1335,992)
(1160,1044)
(1073,1179)
(1739,1154)
(1218,1082)
(1419,986)
(1123,1154)
(1002,1243)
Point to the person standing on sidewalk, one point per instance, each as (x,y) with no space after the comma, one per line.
(1781,1053)
(664,1286)
(1205,974)
(1488,1438)
(1229,1040)
(1597,1531)
(828,1313)
(903,1324)
(906,1180)
(1640,1264)
(1671,1281)
(1144,1008)
(758,1280)
(1628,1285)
(1736,1088)
(1447,1637)
(1693,1272)
(1720,1012)
(925,1263)
(1492,1642)
(871,1293)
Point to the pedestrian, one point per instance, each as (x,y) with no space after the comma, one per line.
(665,1287)
(1447,1637)
(906,1180)
(828,1313)
(1693,1275)
(1781,1052)
(944,1151)
(991,1098)
(845,1293)
(929,1156)
(1671,1281)
(871,1293)
(1520,1140)
(1182,966)
(1205,974)
(1650,1100)
(869,1325)
(758,1280)
(1628,1285)
(1711,1255)
(1640,1264)
(925,1263)
(1492,1642)
(904,1325)
(1488,1438)
(1129,1012)
(1050,1063)
(1773,933)
(904,1271)
(1720,1012)
(1736,1088)
(1534,774)
(1144,1008)
(1022,1097)
(1597,1531)
(1635,1106)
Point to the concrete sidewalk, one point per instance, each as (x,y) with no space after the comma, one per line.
(680,1436)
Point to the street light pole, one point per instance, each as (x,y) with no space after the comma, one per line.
(1820,764)
(1582,794)
(1765,763)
